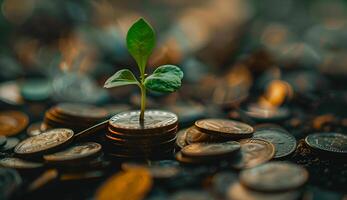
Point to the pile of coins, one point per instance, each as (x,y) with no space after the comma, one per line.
(127,137)
(74,116)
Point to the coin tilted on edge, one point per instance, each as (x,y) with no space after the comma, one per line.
(12,122)
(284,142)
(181,138)
(155,121)
(17,163)
(274,177)
(225,128)
(44,142)
(334,143)
(253,152)
(76,152)
(211,150)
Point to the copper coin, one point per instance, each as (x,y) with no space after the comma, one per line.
(194,135)
(225,128)
(181,138)
(81,110)
(253,152)
(274,177)
(211,150)
(142,136)
(12,122)
(76,152)
(17,163)
(284,142)
(44,142)
(334,143)
(155,121)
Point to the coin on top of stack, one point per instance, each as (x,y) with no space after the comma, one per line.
(74,116)
(128,138)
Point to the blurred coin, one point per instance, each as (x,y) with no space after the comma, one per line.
(9,93)
(10,144)
(81,110)
(225,128)
(44,142)
(10,182)
(253,152)
(17,163)
(2,140)
(35,129)
(191,195)
(274,177)
(189,160)
(194,135)
(155,121)
(222,181)
(181,138)
(36,89)
(335,143)
(113,109)
(156,171)
(264,114)
(75,153)
(239,192)
(284,142)
(12,122)
(131,184)
(211,150)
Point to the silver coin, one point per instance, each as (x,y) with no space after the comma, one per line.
(211,150)
(274,177)
(328,142)
(181,138)
(81,110)
(17,163)
(45,141)
(224,128)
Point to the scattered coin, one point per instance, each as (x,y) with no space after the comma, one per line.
(75,153)
(81,110)
(274,177)
(181,138)
(157,171)
(334,143)
(36,89)
(10,182)
(264,114)
(222,181)
(204,150)
(17,163)
(12,122)
(191,195)
(284,142)
(130,184)
(225,128)
(44,142)
(3,140)
(10,144)
(253,152)
(35,129)
(194,135)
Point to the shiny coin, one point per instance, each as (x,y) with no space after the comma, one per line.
(132,184)
(239,192)
(2,140)
(211,150)
(181,138)
(274,177)
(253,152)
(12,122)
(10,182)
(225,128)
(81,110)
(10,144)
(335,143)
(17,163)
(35,129)
(260,113)
(194,135)
(191,195)
(284,142)
(155,121)
(44,142)
(76,152)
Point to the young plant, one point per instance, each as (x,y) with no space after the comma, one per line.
(140,43)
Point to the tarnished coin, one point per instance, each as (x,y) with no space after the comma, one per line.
(76,152)
(2,140)
(284,142)
(253,152)
(194,135)
(335,143)
(181,138)
(44,142)
(225,128)
(17,163)
(12,122)
(132,184)
(211,150)
(274,177)
(239,192)
(35,129)
(81,110)
(155,121)
(10,144)
(10,182)
(191,195)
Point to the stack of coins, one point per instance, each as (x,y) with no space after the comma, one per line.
(127,137)
(74,116)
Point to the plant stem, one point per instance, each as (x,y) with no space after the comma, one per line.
(143,103)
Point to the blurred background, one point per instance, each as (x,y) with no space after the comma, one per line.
(266,53)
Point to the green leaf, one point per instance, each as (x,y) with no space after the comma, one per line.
(120,78)
(166,79)
(140,42)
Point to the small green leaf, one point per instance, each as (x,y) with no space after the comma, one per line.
(166,79)
(140,42)
(122,77)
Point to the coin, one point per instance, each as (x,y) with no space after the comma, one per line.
(17,163)
(335,143)
(10,182)
(189,160)
(274,177)
(75,153)
(181,138)
(2,140)
(259,113)
(81,110)
(253,152)
(157,171)
(191,195)
(211,150)
(44,142)
(10,144)
(239,192)
(35,129)
(36,89)
(155,135)
(284,142)
(225,128)
(155,121)
(194,135)
(130,184)
(12,122)
(222,181)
